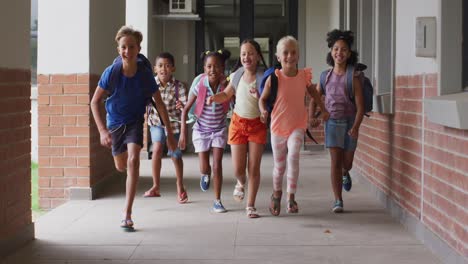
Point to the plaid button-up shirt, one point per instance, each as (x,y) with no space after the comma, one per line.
(168,95)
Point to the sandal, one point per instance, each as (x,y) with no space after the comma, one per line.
(238,193)
(292,207)
(183,197)
(252,212)
(126,224)
(275,205)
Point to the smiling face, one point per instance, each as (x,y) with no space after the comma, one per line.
(249,56)
(213,69)
(288,54)
(340,52)
(128,49)
(164,69)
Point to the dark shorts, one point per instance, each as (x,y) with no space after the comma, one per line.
(124,134)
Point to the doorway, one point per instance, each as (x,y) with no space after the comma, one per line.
(226,23)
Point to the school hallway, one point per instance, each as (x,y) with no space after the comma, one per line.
(168,232)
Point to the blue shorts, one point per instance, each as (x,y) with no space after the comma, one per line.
(124,134)
(336,134)
(158,134)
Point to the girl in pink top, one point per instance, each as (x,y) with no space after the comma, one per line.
(288,120)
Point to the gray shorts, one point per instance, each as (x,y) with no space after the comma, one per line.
(124,134)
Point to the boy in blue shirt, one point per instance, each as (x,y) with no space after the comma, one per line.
(128,94)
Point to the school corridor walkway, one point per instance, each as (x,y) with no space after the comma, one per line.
(167,232)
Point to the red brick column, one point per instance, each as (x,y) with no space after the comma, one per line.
(419,165)
(16,225)
(68,140)
(63,110)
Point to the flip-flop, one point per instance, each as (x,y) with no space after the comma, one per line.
(276,207)
(151,193)
(292,207)
(183,197)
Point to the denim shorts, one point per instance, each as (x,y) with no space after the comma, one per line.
(158,134)
(336,134)
(124,134)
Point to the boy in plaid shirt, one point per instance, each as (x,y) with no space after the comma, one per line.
(174,96)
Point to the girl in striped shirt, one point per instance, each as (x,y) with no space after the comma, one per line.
(209,132)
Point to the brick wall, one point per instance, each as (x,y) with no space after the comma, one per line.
(69,152)
(15,152)
(422,166)
(101,161)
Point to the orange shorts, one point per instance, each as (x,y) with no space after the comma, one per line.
(244,130)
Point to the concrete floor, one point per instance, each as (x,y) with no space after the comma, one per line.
(167,232)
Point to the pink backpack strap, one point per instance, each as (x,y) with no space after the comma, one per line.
(200,102)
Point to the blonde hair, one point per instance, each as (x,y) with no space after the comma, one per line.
(125,31)
(283,41)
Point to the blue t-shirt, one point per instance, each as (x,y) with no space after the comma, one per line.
(127,103)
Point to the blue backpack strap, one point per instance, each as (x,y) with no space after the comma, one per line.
(115,75)
(265,76)
(349,81)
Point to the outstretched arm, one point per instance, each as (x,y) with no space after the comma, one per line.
(223,96)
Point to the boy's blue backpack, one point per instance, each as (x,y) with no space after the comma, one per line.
(367,88)
(273,93)
(144,65)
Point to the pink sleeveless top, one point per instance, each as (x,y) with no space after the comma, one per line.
(289,112)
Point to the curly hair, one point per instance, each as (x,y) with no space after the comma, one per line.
(346,36)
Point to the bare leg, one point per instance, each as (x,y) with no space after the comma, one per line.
(120,161)
(218,171)
(204,163)
(156,166)
(336,155)
(239,160)
(255,159)
(348,161)
(133,172)
(179,169)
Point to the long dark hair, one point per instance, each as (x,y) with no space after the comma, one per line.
(257,49)
(348,37)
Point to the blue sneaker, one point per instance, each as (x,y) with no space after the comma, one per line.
(205,182)
(347,182)
(218,207)
(338,206)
